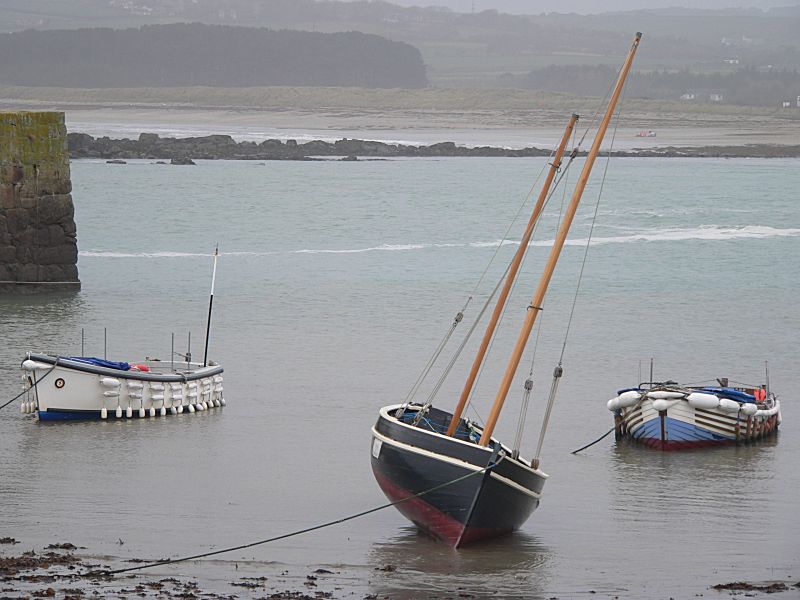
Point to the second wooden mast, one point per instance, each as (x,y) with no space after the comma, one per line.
(538,297)
(512,273)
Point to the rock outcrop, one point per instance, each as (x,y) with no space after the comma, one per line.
(38,244)
(153,147)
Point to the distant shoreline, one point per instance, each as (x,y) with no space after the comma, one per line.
(224,147)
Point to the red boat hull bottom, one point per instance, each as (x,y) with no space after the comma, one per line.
(433,521)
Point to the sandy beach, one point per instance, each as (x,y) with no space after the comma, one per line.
(515,119)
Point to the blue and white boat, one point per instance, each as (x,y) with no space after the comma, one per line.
(669,416)
(69,388)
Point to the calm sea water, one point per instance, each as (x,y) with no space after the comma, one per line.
(335,284)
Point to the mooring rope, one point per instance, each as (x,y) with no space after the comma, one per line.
(170,561)
(590,444)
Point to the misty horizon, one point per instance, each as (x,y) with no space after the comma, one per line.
(534,7)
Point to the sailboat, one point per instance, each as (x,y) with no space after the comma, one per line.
(446,474)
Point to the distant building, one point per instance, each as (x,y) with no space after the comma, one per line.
(731,61)
(703,95)
(798,102)
(786,104)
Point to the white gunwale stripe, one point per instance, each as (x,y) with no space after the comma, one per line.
(453,461)
(384,412)
(514,485)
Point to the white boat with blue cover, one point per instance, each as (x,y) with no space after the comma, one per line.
(669,416)
(69,388)
(61,388)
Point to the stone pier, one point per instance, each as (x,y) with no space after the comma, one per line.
(38,244)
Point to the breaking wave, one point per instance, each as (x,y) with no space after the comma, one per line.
(707,233)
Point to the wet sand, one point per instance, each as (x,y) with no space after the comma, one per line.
(66,571)
(482,122)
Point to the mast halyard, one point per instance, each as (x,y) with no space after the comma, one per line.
(538,297)
(512,273)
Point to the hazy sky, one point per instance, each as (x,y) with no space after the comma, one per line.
(587,6)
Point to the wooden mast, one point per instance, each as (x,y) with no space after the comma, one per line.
(512,273)
(538,297)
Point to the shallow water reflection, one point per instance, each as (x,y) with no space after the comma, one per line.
(413,565)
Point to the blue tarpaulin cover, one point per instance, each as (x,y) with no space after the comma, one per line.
(99,362)
(731,394)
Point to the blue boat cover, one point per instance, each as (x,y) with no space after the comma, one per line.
(633,389)
(722,392)
(731,394)
(99,362)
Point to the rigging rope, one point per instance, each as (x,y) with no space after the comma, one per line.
(446,372)
(169,561)
(460,315)
(559,371)
(563,173)
(523,412)
(28,389)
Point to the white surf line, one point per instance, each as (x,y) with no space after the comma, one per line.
(709,233)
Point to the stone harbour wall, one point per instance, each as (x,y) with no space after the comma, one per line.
(38,243)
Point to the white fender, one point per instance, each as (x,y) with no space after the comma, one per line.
(729,406)
(136,385)
(767,413)
(222,401)
(152,412)
(104,413)
(191,408)
(180,409)
(665,395)
(626,399)
(157,397)
(118,412)
(109,382)
(216,403)
(613,404)
(662,404)
(23,408)
(111,393)
(141,412)
(129,412)
(157,386)
(32,365)
(703,400)
(749,409)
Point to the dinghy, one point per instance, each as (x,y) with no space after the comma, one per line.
(447,474)
(669,416)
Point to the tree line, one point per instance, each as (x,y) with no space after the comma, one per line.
(206,55)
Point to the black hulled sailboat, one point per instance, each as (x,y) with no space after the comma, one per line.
(450,476)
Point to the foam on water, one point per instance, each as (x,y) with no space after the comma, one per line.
(706,233)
